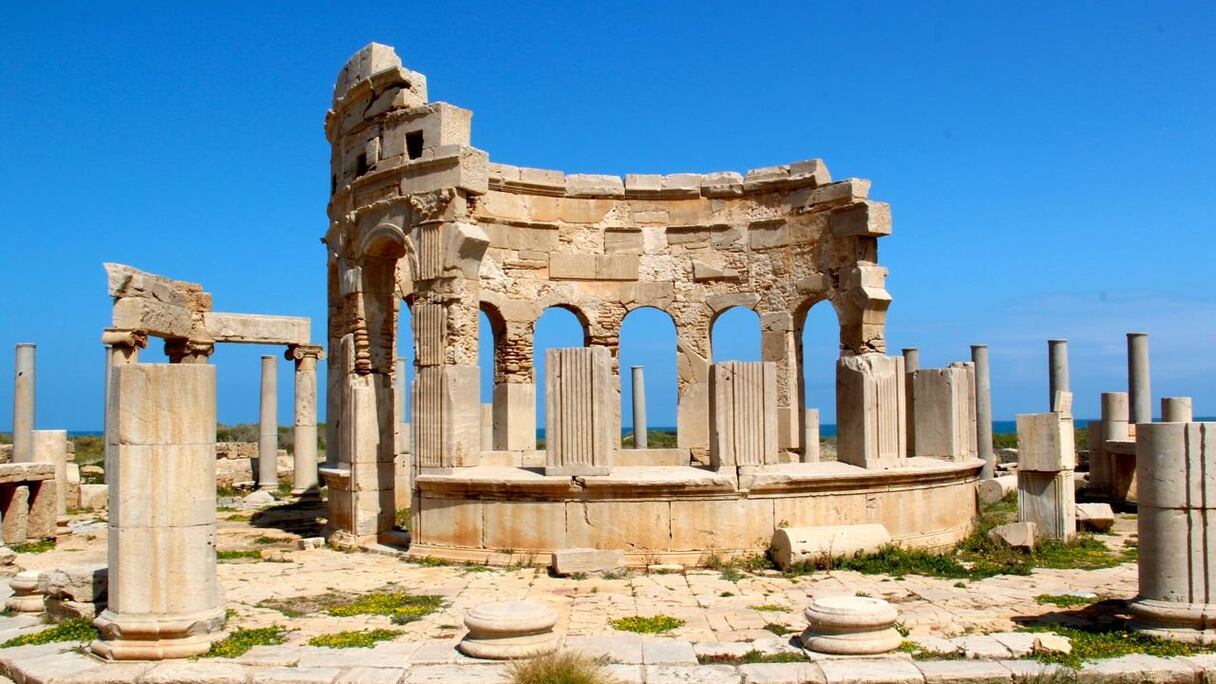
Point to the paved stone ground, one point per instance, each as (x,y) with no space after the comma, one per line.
(720,616)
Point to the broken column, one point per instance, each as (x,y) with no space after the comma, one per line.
(983,410)
(304,443)
(1046,460)
(1057,366)
(1139,392)
(164,598)
(1112,427)
(1176,464)
(51,446)
(23,405)
(579,417)
(810,451)
(268,428)
(911,365)
(870,413)
(944,412)
(640,433)
(122,348)
(487,427)
(1176,410)
(743,414)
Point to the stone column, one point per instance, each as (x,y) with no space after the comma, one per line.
(810,454)
(983,410)
(401,392)
(23,405)
(579,423)
(51,446)
(640,433)
(778,345)
(1112,426)
(1139,392)
(304,471)
(1057,367)
(487,426)
(268,427)
(1176,470)
(743,414)
(165,600)
(911,365)
(122,348)
(1176,410)
(871,411)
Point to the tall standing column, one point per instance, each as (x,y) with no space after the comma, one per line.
(1057,365)
(304,471)
(983,410)
(23,405)
(165,600)
(911,365)
(639,408)
(268,427)
(1140,395)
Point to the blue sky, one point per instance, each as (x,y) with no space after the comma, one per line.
(1049,164)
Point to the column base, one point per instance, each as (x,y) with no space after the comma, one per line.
(1192,623)
(156,637)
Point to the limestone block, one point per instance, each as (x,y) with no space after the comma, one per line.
(1098,517)
(704,271)
(94,497)
(682,185)
(863,219)
(1046,442)
(524,526)
(851,625)
(591,185)
(991,491)
(768,234)
(580,421)
(51,446)
(572,266)
(636,525)
(704,525)
(257,328)
(722,184)
(870,418)
(641,184)
(510,630)
(795,545)
(566,562)
(944,413)
(371,59)
(743,411)
(87,583)
(1048,499)
(515,416)
(157,318)
(810,436)
(623,241)
(1019,536)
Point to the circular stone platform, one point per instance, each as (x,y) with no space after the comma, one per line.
(851,625)
(510,629)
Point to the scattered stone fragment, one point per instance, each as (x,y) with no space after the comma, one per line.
(566,562)
(1018,536)
(1098,517)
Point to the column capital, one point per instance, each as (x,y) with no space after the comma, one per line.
(299,352)
(183,350)
(115,337)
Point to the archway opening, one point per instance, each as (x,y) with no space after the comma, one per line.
(648,341)
(735,335)
(819,342)
(557,327)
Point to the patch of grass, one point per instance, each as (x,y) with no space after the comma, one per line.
(90,449)
(238,642)
(36,546)
(357,639)
(731,574)
(655,439)
(79,629)
(470,566)
(613,575)
(727,594)
(778,628)
(1062,600)
(237,554)
(578,576)
(914,649)
(402,607)
(431,562)
(237,518)
(1101,643)
(227,491)
(264,539)
(402,519)
(565,667)
(769,607)
(752,657)
(655,624)
(1082,553)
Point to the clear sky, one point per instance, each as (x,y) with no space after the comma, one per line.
(1050,165)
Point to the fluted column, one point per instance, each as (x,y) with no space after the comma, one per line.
(304,445)
(268,427)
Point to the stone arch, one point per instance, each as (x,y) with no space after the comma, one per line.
(660,372)
(734,348)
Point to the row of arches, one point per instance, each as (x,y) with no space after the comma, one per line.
(648,339)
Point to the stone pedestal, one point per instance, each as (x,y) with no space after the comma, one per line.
(1176,469)
(870,412)
(743,414)
(851,625)
(27,596)
(23,405)
(268,427)
(164,598)
(510,630)
(945,412)
(579,412)
(304,444)
(1046,460)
